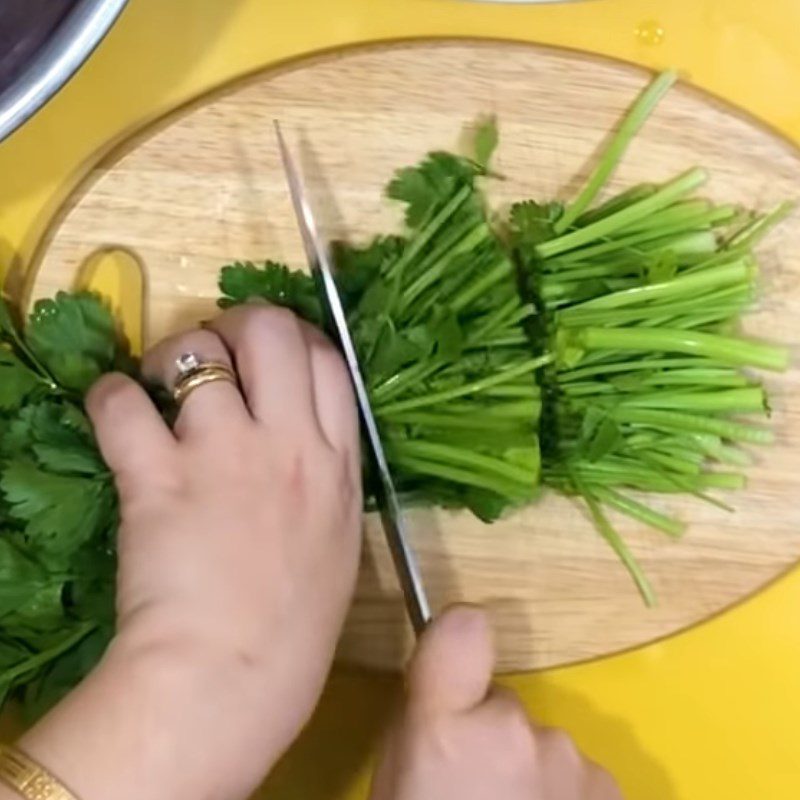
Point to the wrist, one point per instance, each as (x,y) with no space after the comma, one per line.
(206,707)
(267,693)
(158,721)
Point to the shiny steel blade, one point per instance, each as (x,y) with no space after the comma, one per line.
(318,257)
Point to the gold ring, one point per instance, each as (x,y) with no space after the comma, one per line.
(194,373)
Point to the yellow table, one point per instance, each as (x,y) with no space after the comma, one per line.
(712,714)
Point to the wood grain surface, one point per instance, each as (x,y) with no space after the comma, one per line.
(205,187)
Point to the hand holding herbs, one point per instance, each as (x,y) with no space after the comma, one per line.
(239,545)
(589,347)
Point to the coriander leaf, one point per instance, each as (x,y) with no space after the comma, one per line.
(357,267)
(41,611)
(20,577)
(77,461)
(606,439)
(11,336)
(533,223)
(392,351)
(16,381)
(447,333)
(8,327)
(485,505)
(412,187)
(527,455)
(426,187)
(568,348)
(11,653)
(90,595)
(486,140)
(64,441)
(663,268)
(75,337)
(17,435)
(592,419)
(60,512)
(276,283)
(375,299)
(75,419)
(64,673)
(58,434)
(421,337)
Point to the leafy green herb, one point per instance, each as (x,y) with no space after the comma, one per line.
(16,381)
(590,348)
(638,297)
(58,515)
(487,138)
(75,337)
(437,319)
(241,282)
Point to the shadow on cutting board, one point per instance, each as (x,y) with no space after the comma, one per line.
(333,757)
(612,740)
(333,754)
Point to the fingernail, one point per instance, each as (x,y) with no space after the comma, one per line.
(466,619)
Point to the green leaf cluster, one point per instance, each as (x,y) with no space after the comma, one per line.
(58,512)
(589,347)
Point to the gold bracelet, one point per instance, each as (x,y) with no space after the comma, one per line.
(28,779)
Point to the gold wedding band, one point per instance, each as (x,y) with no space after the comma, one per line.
(194,373)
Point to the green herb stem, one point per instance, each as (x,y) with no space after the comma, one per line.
(617,543)
(396,269)
(681,286)
(636,510)
(448,472)
(526,367)
(633,122)
(667,194)
(742,352)
(447,454)
(46,656)
(760,227)
(482,284)
(680,422)
(748,400)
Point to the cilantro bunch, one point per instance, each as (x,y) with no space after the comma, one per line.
(629,309)
(588,347)
(640,299)
(58,508)
(437,318)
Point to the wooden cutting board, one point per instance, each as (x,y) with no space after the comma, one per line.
(204,187)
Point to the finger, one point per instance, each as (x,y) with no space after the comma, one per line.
(387,772)
(600,785)
(502,718)
(273,361)
(334,399)
(451,670)
(555,747)
(132,436)
(503,711)
(210,407)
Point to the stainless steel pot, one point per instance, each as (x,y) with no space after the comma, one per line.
(42,45)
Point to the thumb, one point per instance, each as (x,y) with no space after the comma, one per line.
(452,667)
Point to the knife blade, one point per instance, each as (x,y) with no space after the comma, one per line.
(403,556)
